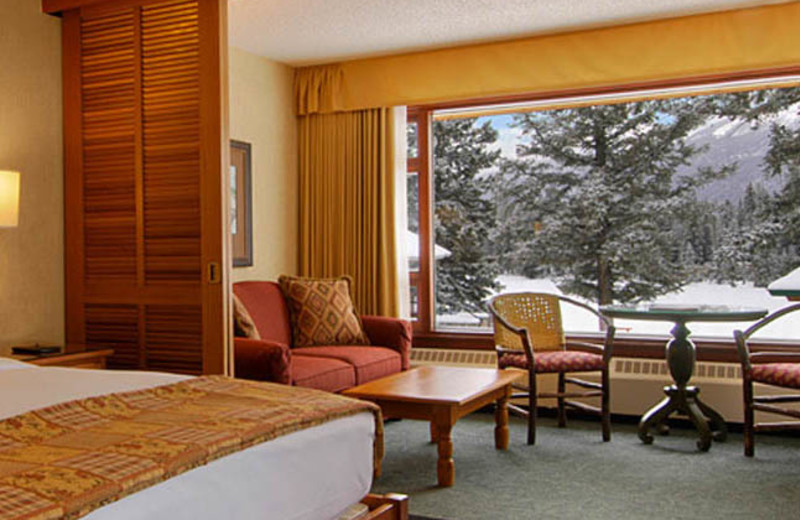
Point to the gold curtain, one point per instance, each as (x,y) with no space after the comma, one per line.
(764,38)
(347,203)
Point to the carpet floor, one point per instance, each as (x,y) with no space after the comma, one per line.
(572,474)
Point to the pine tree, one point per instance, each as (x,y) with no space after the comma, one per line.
(608,196)
(766,243)
(464,214)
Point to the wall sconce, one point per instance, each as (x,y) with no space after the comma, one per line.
(9,199)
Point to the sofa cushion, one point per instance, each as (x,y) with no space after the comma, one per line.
(322,373)
(243,325)
(264,301)
(322,312)
(369,362)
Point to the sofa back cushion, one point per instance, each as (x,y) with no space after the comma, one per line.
(264,301)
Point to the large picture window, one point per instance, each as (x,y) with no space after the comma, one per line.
(683,200)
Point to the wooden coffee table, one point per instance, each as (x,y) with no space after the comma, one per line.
(443,395)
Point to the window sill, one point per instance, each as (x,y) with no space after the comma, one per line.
(634,346)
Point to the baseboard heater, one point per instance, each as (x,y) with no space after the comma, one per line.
(636,384)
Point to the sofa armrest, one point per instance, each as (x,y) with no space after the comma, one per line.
(393,333)
(261,360)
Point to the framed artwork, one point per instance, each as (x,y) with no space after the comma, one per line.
(241,205)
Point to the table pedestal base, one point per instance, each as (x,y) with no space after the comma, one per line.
(708,422)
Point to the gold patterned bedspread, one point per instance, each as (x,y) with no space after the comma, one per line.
(65,460)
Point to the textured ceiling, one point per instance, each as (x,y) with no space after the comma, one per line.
(317,31)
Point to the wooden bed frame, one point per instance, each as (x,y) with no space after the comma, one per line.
(391,506)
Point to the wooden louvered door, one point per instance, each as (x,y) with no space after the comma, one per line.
(145,127)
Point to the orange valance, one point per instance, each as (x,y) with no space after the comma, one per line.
(764,38)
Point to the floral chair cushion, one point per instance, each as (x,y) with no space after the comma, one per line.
(555,361)
(780,374)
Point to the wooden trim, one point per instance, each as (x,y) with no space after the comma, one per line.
(91,7)
(454,340)
(59,6)
(73,185)
(215,181)
(391,506)
(139,193)
(424,280)
(139,153)
(78,359)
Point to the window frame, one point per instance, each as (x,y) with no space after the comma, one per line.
(422,279)
(641,346)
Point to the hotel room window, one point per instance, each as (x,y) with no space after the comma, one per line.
(636,197)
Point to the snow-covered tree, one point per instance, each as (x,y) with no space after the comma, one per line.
(464,214)
(765,242)
(608,196)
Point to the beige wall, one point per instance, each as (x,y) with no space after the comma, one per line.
(31,255)
(261,114)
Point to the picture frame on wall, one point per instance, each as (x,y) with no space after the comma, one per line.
(241,204)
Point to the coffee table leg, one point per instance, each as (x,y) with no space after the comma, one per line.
(501,421)
(434,433)
(445,467)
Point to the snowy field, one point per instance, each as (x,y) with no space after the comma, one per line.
(708,293)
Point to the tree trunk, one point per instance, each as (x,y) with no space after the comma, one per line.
(603,286)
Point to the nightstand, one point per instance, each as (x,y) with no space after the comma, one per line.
(87,359)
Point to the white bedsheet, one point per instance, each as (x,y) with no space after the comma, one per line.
(306,475)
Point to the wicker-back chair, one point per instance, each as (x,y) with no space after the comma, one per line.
(528,334)
(781,369)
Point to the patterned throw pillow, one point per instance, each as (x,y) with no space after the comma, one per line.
(243,324)
(322,312)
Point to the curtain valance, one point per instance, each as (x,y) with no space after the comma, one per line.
(319,90)
(729,42)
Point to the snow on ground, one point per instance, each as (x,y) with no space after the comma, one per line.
(790,282)
(708,293)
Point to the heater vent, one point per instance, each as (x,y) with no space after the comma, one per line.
(657,369)
(450,357)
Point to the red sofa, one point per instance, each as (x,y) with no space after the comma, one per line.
(331,368)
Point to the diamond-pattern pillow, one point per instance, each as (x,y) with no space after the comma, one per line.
(321,312)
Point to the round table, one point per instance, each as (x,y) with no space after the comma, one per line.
(681,356)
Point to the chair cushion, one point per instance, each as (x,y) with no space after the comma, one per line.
(779,374)
(322,312)
(322,373)
(369,362)
(555,361)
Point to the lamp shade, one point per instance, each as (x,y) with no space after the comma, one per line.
(9,199)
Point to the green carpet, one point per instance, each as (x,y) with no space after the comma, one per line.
(572,474)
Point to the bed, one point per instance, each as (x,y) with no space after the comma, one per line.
(315,473)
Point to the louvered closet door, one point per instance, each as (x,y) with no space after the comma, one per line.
(144,125)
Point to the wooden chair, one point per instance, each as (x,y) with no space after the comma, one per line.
(528,334)
(780,369)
